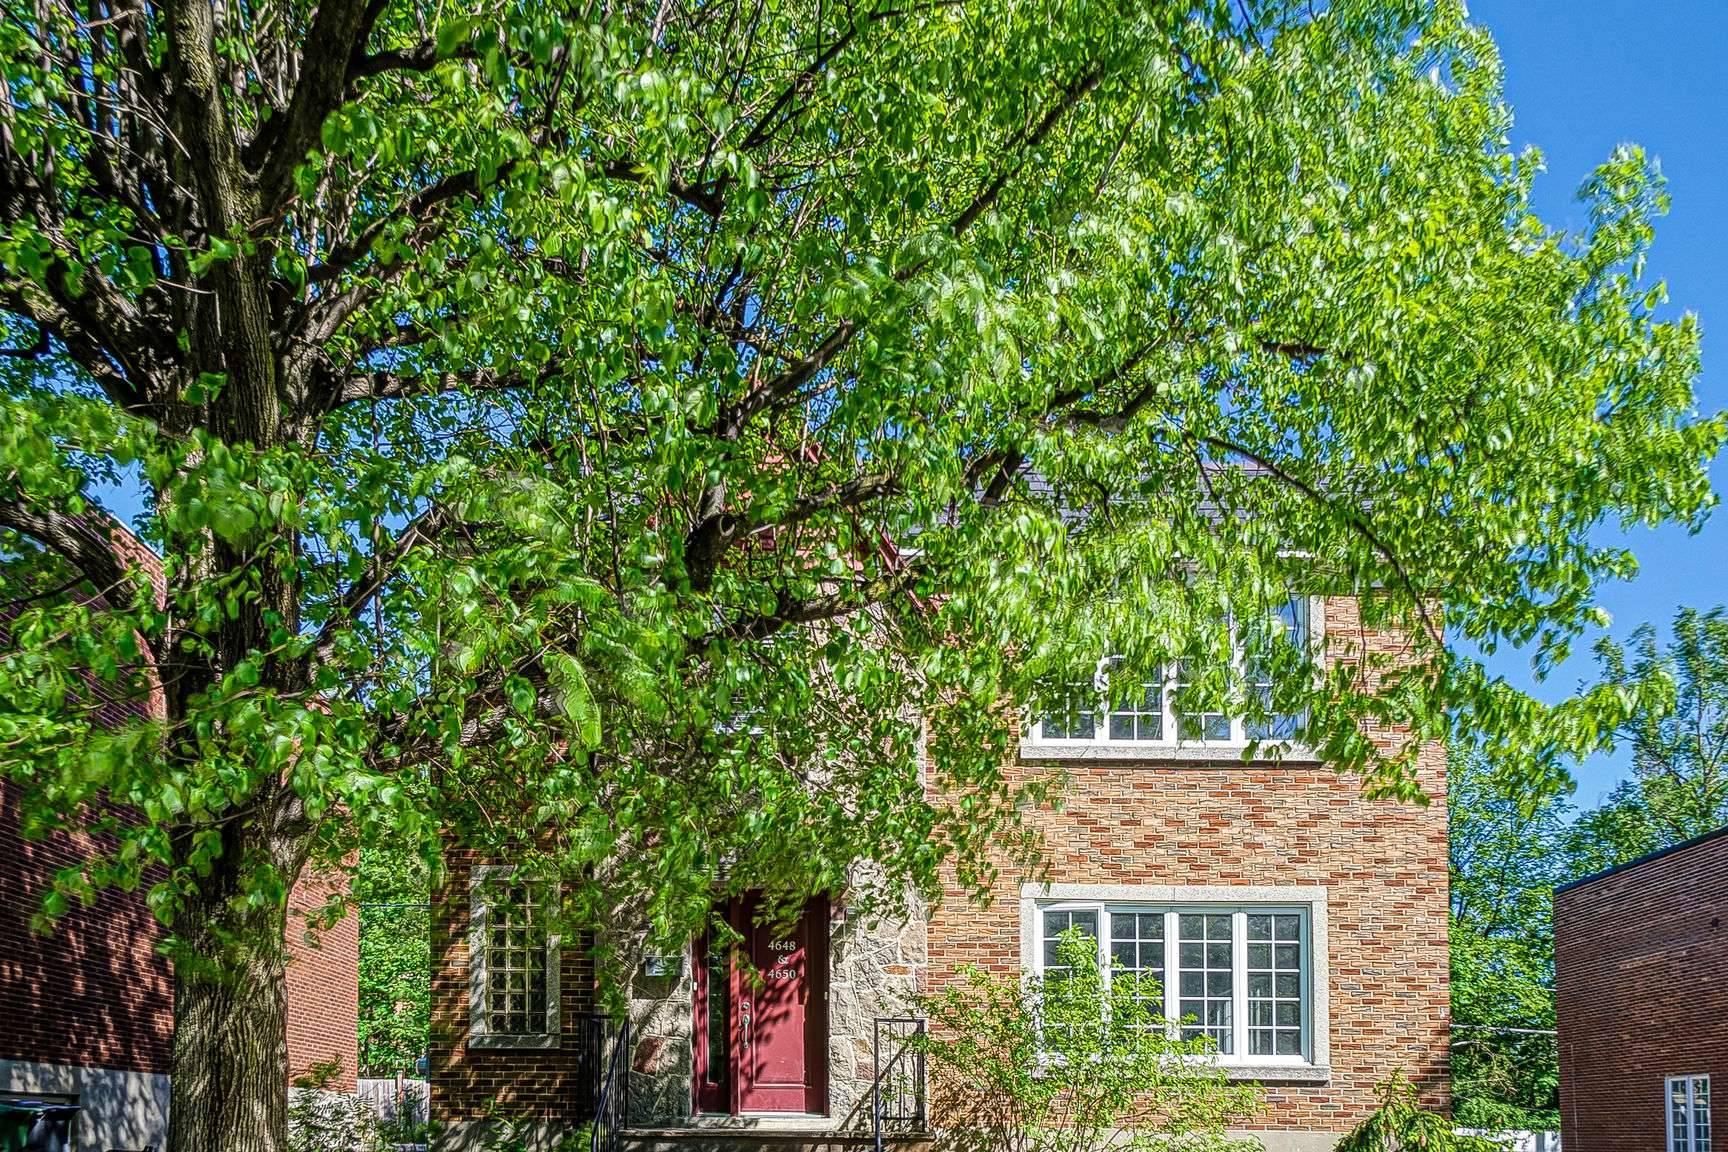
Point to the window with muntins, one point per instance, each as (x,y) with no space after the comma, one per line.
(515,962)
(1164,712)
(1689,1114)
(1240,974)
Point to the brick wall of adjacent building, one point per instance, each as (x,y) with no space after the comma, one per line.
(95,992)
(1641,970)
(471,1083)
(323,986)
(1382,863)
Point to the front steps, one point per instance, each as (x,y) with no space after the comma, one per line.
(791,1134)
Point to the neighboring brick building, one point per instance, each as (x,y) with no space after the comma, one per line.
(87,1010)
(1641,975)
(1304,923)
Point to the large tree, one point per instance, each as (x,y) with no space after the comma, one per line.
(642,431)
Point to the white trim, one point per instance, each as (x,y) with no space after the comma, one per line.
(478,1036)
(1310,901)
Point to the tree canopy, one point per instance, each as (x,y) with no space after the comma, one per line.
(1677,738)
(641,432)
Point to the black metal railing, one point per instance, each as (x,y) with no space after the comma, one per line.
(593,1031)
(897,1099)
(612,1092)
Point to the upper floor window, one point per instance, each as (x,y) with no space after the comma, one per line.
(513,965)
(1238,975)
(1167,711)
(1689,1114)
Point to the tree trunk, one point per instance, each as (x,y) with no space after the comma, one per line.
(229,1088)
(228,1092)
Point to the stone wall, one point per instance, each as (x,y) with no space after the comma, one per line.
(876,965)
(662,1061)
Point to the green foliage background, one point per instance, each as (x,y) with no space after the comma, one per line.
(391,892)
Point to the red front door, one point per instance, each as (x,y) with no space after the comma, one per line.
(775,1014)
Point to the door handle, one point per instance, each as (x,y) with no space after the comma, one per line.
(744,1014)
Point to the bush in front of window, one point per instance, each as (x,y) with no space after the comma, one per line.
(1070,1062)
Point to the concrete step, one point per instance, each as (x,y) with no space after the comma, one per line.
(766,1137)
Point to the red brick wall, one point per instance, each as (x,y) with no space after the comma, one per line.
(95,993)
(323,986)
(467,1082)
(1641,967)
(1383,864)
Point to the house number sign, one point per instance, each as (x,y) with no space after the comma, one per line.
(783,969)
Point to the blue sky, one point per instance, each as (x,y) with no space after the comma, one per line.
(1583,76)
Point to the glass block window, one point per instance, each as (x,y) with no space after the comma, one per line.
(1274,968)
(514,962)
(1689,1114)
(1205,976)
(1239,976)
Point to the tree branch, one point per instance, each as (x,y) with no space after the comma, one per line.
(1353,517)
(339,30)
(421,530)
(101,548)
(390,386)
(732,419)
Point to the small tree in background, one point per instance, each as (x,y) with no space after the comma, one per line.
(1678,737)
(1506,853)
(391,889)
(1073,1062)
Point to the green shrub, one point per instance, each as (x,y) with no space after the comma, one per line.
(1072,1063)
(1401,1124)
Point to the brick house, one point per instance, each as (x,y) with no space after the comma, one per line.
(1300,924)
(87,1011)
(1641,999)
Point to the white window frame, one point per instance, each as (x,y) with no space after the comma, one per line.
(1035,745)
(1313,1065)
(1688,1085)
(480,880)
